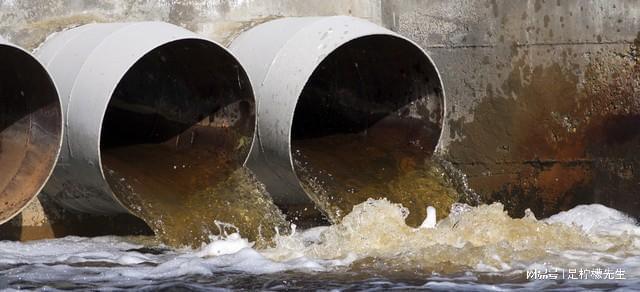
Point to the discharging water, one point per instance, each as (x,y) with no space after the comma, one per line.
(342,170)
(175,136)
(478,248)
(186,195)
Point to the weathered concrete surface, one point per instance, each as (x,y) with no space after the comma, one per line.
(28,23)
(543,96)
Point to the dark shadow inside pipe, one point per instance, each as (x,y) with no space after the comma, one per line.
(179,122)
(370,114)
(30,129)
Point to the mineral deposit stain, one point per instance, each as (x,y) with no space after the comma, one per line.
(549,139)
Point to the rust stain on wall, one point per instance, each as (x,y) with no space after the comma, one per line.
(554,136)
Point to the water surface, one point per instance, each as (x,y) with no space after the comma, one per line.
(478,248)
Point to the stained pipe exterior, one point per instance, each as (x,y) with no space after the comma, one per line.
(88,63)
(30,128)
(280,56)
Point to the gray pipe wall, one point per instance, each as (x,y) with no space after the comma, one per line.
(346,108)
(159,124)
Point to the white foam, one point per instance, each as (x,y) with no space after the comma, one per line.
(69,249)
(226,245)
(430,221)
(374,230)
(596,219)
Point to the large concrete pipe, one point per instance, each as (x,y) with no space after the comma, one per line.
(156,117)
(30,128)
(347,110)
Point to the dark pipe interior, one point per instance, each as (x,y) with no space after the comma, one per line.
(371,112)
(179,122)
(30,129)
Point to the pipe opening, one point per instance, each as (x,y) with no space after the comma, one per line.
(366,124)
(179,123)
(30,129)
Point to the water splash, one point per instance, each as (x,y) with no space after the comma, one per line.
(357,167)
(480,238)
(473,247)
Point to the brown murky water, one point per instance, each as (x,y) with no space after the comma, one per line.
(342,170)
(187,194)
(177,131)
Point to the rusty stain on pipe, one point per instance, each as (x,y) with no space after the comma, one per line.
(30,128)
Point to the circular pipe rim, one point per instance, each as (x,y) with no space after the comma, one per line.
(83,81)
(444,111)
(264,86)
(58,148)
(104,112)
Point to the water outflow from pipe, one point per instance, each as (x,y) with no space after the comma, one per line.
(30,128)
(347,110)
(159,123)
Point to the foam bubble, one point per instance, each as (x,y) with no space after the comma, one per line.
(373,237)
(597,219)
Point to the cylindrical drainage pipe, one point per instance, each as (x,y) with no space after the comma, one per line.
(30,128)
(347,110)
(155,115)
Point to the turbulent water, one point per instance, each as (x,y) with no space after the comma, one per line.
(374,165)
(479,248)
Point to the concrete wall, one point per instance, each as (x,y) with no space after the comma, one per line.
(543,96)
(28,23)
